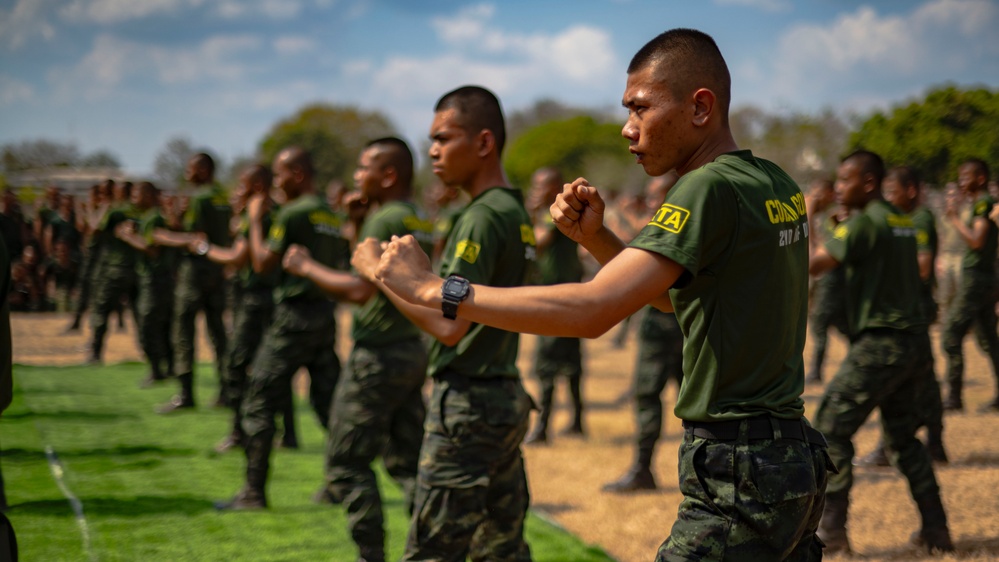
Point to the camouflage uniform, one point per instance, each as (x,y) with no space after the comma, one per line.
(558,263)
(117,276)
(751,470)
(303,333)
(201,286)
(155,304)
(472,495)
(974,304)
(660,359)
(379,400)
(253,312)
(887,326)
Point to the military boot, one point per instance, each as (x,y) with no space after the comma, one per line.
(934,444)
(953,402)
(832,527)
(253,495)
(934,535)
(639,477)
(182,401)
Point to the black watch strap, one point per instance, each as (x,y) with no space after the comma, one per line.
(453,291)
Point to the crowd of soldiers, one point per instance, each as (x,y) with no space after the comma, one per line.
(281,256)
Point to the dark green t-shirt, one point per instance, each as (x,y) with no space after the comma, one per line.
(559,262)
(491,243)
(209,211)
(160,263)
(927,241)
(378,321)
(117,252)
(307,221)
(738,227)
(878,249)
(984,258)
(66,231)
(249,279)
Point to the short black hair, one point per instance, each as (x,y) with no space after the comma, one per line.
(980,166)
(399,156)
(477,109)
(687,59)
(206,160)
(904,175)
(300,158)
(869,162)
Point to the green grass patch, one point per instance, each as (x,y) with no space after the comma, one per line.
(146,482)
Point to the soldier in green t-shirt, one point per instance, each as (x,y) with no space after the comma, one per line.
(379,401)
(117,281)
(303,330)
(558,262)
(200,282)
(254,305)
(902,189)
(154,304)
(887,326)
(472,494)
(729,244)
(974,303)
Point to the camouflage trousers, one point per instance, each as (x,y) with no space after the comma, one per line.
(879,371)
(660,359)
(113,284)
(828,311)
(556,357)
(303,333)
(199,288)
(748,500)
(973,305)
(472,494)
(379,412)
(252,315)
(154,309)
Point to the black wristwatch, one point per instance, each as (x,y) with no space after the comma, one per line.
(453,291)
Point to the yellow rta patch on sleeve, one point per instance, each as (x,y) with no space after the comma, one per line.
(467,250)
(276,233)
(840,232)
(670,218)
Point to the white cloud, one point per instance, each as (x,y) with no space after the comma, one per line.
(485,54)
(116,11)
(113,61)
(876,55)
(13,90)
(765,5)
(276,9)
(26,20)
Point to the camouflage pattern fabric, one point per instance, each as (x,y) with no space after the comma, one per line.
(828,311)
(199,288)
(113,283)
(472,495)
(154,309)
(303,333)
(556,357)
(251,317)
(974,305)
(660,359)
(879,372)
(379,412)
(748,500)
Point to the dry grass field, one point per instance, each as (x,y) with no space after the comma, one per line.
(566,475)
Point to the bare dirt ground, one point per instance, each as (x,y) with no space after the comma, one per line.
(566,475)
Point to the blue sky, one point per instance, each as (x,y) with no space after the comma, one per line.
(128,75)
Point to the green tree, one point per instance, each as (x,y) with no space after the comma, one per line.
(333,134)
(577,146)
(935,134)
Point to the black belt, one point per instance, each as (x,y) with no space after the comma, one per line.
(760,427)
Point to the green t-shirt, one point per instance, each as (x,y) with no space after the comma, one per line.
(927,241)
(307,221)
(160,263)
(66,231)
(249,279)
(491,243)
(117,252)
(209,211)
(984,258)
(738,227)
(878,249)
(559,262)
(378,321)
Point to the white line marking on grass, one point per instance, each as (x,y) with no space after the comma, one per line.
(58,472)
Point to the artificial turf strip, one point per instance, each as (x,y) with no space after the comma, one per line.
(146,482)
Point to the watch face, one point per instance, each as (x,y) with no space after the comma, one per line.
(455,287)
